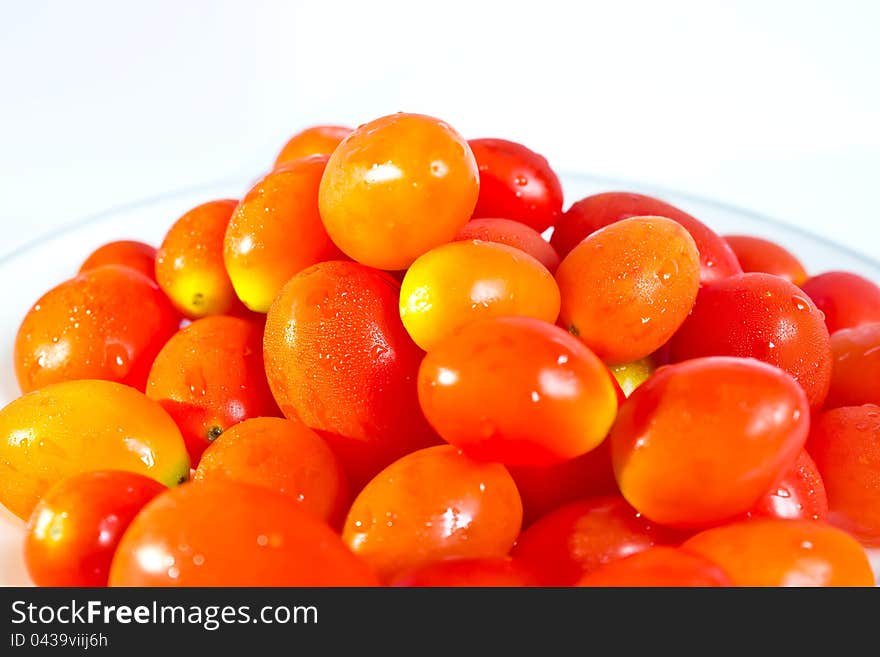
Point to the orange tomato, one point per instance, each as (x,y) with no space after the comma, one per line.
(397,187)
(126,253)
(855,369)
(232,534)
(317,140)
(628,287)
(276,232)
(485,572)
(458,283)
(658,567)
(756,254)
(284,455)
(512,233)
(107,323)
(77,426)
(432,504)
(210,377)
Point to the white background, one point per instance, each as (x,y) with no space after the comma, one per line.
(774,106)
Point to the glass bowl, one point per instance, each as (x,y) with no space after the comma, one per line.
(42,264)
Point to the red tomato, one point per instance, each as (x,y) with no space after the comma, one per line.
(485,572)
(512,233)
(339,358)
(846,445)
(799,495)
(284,455)
(74,530)
(432,504)
(580,537)
(627,287)
(784,553)
(660,566)
(516,183)
(107,323)
(855,374)
(756,254)
(317,140)
(704,440)
(848,300)
(518,391)
(232,534)
(588,215)
(210,377)
(125,253)
(760,316)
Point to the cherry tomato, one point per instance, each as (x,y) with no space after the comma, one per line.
(284,455)
(432,504)
(848,300)
(756,254)
(512,233)
(545,489)
(704,440)
(581,537)
(588,215)
(77,426)
(658,567)
(232,534)
(516,183)
(855,374)
(772,552)
(74,530)
(397,187)
(317,140)
(518,391)
(276,231)
(846,445)
(337,356)
(627,287)
(454,284)
(189,264)
(799,495)
(210,377)
(107,323)
(630,376)
(485,572)
(760,316)
(125,253)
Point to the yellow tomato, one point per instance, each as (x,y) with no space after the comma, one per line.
(633,374)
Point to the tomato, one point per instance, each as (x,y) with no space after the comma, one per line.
(397,187)
(232,534)
(432,504)
(338,357)
(518,391)
(210,377)
(846,445)
(125,253)
(760,316)
(784,553)
(799,495)
(658,567)
(704,440)
(516,183)
(756,254)
(544,489)
(630,376)
(74,530)
(848,300)
(457,283)
(107,323)
(189,264)
(855,374)
(626,288)
(76,426)
(588,215)
(581,537)
(276,231)
(485,572)
(317,140)
(512,233)
(284,455)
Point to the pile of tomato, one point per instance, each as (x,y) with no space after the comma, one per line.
(373,369)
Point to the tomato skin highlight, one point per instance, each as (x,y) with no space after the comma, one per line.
(756,254)
(74,529)
(799,495)
(855,372)
(659,566)
(512,233)
(125,253)
(847,299)
(552,403)
(316,140)
(485,572)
